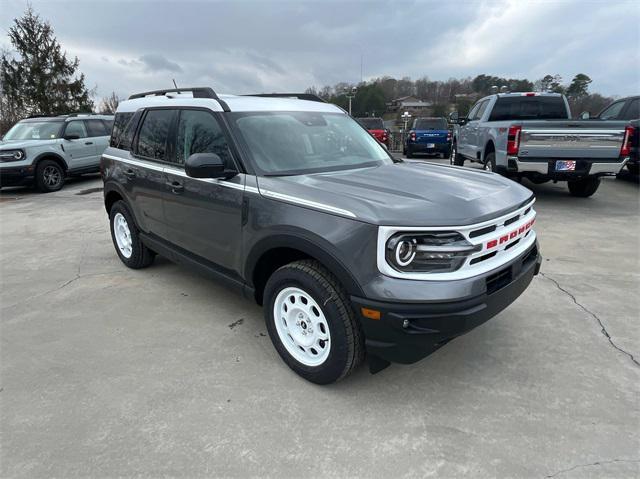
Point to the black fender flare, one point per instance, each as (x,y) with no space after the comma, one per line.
(311,247)
(48,154)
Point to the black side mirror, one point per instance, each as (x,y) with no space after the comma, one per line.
(71,137)
(207,165)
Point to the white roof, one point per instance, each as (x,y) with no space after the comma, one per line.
(236,103)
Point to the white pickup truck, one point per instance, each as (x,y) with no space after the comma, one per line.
(532,135)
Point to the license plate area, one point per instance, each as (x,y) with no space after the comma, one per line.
(431,145)
(565,165)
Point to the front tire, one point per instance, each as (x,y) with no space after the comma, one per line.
(585,187)
(311,323)
(126,238)
(49,176)
(456,159)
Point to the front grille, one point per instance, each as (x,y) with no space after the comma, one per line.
(512,220)
(482,231)
(482,258)
(498,280)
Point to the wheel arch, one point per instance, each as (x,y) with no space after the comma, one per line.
(273,252)
(489,147)
(50,155)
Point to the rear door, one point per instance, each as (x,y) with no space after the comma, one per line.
(203,216)
(145,173)
(100,136)
(463,136)
(81,152)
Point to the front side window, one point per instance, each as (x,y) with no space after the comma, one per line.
(473,111)
(481,109)
(76,128)
(34,130)
(293,143)
(633,110)
(152,138)
(612,112)
(199,132)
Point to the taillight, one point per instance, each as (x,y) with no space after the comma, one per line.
(412,136)
(513,140)
(448,136)
(627,142)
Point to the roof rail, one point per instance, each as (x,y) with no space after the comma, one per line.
(299,96)
(198,92)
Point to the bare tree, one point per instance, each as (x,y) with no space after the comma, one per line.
(109,104)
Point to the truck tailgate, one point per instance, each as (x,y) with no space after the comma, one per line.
(586,139)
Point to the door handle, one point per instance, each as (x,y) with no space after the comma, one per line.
(130,173)
(88,143)
(176,187)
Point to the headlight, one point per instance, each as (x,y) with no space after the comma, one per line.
(438,252)
(11,155)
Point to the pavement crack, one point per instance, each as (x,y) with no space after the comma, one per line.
(597,463)
(603,329)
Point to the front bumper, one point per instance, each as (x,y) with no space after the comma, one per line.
(408,332)
(584,167)
(16,176)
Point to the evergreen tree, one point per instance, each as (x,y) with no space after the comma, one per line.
(39,78)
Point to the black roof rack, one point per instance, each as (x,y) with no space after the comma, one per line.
(299,96)
(198,92)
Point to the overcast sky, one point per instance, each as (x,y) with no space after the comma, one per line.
(245,47)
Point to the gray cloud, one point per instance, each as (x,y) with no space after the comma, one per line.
(243,47)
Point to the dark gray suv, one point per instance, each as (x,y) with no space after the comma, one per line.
(350,251)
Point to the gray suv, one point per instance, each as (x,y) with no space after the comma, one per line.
(351,252)
(43,151)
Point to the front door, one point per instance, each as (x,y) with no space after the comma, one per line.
(204,216)
(81,152)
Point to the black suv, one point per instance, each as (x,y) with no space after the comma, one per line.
(292,202)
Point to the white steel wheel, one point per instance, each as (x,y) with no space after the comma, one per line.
(302,326)
(123,235)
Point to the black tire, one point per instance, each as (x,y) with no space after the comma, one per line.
(456,159)
(633,168)
(409,153)
(490,162)
(49,176)
(585,187)
(140,256)
(346,339)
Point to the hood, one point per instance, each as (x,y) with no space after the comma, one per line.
(406,194)
(15,144)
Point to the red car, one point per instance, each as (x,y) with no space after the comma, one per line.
(375,126)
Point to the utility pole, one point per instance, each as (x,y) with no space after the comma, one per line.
(350,93)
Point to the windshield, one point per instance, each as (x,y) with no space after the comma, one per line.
(293,143)
(34,130)
(529,108)
(430,124)
(371,123)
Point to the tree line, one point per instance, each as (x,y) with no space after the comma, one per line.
(372,97)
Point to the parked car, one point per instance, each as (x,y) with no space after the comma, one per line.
(375,126)
(43,151)
(295,205)
(626,109)
(428,135)
(532,135)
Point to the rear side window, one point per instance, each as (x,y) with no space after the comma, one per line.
(199,132)
(633,110)
(96,128)
(529,108)
(430,124)
(76,128)
(152,138)
(119,124)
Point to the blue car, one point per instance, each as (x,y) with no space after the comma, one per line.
(429,136)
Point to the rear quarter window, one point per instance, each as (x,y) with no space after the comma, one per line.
(529,108)
(120,123)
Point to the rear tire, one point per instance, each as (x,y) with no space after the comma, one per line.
(633,168)
(49,176)
(126,238)
(409,153)
(311,322)
(585,187)
(490,162)
(455,158)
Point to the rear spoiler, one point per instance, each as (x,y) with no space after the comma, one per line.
(299,96)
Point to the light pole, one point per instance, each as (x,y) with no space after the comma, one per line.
(350,93)
(406,116)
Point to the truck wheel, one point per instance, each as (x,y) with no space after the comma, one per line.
(311,322)
(633,168)
(409,153)
(126,238)
(585,187)
(49,176)
(456,159)
(490,162)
